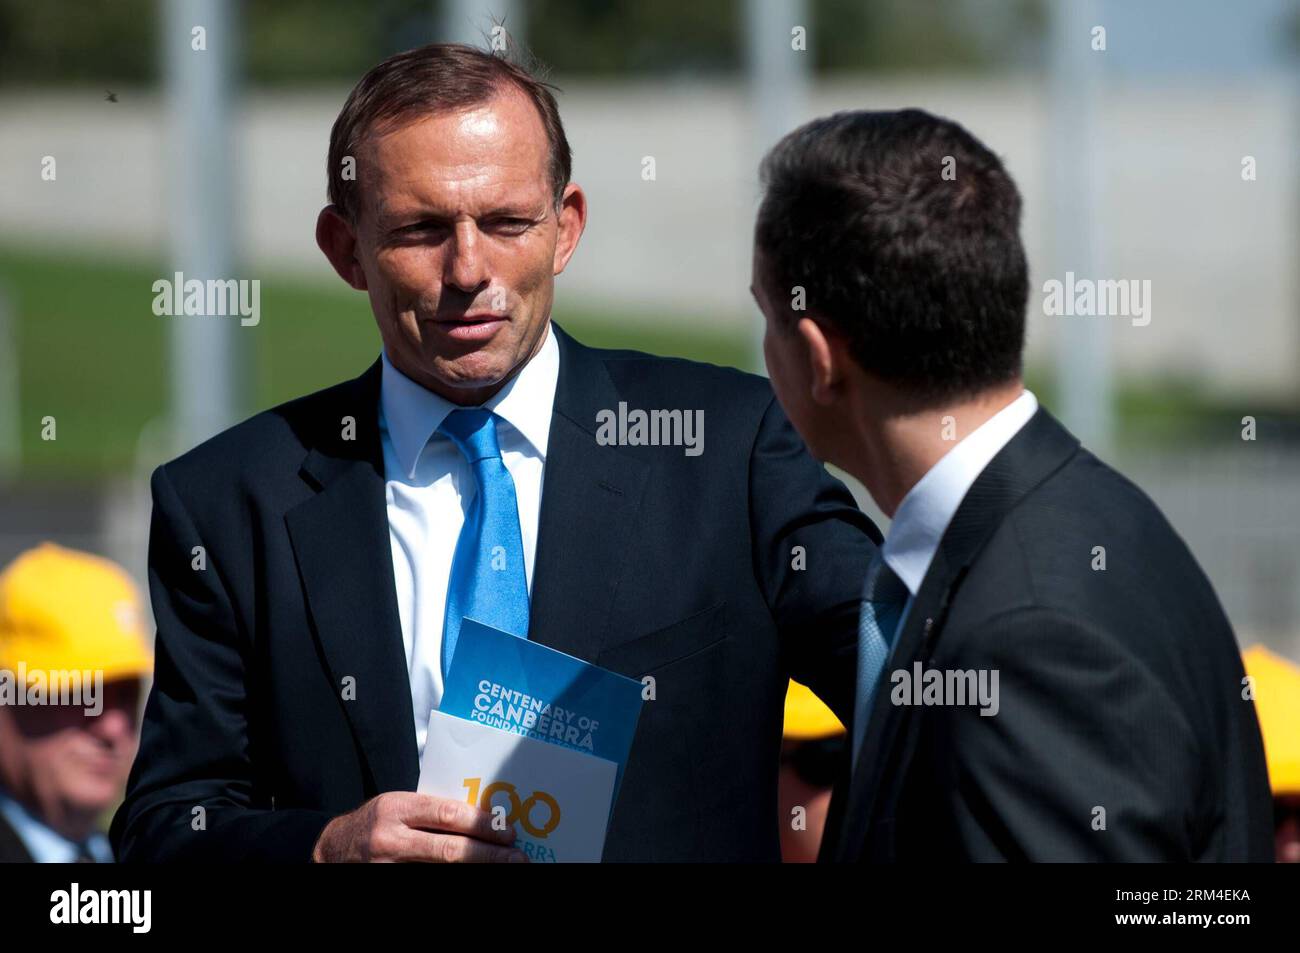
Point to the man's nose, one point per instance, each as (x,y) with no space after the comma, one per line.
(465,267)
(112,724)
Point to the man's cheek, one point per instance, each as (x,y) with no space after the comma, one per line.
(408,267)
(534,276)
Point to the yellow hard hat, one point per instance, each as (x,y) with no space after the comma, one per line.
(1277,702)
(806,717)
(63,610)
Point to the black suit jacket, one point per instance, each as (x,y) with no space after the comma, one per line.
(649,562)
(12,849)
(1120,689)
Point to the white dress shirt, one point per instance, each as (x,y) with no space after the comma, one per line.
(429,487)
(922,518)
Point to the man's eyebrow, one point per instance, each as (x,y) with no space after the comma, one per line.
(407,218)
(516,210)
(393,218)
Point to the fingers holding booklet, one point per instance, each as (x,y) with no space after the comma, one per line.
(404,826)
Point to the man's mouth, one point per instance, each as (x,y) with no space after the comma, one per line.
(472,327)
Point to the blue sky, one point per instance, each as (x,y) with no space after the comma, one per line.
(1201,36)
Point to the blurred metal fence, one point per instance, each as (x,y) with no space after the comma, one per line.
(1239,511)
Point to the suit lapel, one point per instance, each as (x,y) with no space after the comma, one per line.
(1033,454)
(590,498)
(340,539)
(924,616)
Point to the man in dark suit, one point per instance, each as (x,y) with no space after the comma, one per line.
(310,567)
(1044,671)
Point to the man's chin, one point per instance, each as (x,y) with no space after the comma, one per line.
(470,379)
(94,798)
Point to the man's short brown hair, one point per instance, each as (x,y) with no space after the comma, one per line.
(440,77)
(923,272)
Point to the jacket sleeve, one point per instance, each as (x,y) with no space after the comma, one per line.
(194,791)
(811,546)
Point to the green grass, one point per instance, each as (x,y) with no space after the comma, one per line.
(92,354)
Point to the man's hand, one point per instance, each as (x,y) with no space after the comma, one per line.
(402,826)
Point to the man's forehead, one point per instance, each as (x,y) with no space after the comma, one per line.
(484,150)
(506,127)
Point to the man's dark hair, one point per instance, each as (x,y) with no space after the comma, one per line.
(923,272)
(440,77)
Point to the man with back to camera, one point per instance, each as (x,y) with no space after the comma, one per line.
(1116,727)
(338,528)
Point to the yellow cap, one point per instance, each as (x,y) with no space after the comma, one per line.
(63,610)
(806,717)
(1277,702)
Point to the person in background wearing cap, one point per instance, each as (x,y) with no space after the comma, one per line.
(1276,691)
(61,766)
(810,753)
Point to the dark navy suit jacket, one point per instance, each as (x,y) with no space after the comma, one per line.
(1122,731)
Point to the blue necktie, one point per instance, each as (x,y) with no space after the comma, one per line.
(883,599)
(487,583)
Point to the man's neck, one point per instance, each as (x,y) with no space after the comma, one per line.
(897,447)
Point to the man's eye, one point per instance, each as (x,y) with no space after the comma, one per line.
(512,225)
(419,232)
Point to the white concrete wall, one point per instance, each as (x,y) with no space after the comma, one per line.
(1220,252)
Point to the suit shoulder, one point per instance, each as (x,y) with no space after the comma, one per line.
(1072,542)
(278,436)
(1087,498)
(683,378)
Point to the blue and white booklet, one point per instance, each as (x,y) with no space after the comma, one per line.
(539,733)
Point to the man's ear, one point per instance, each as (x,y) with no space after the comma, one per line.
(337,239)
(823,350)
(572,220)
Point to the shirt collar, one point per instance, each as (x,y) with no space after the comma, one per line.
(46,845)
(412,413)
(928,508)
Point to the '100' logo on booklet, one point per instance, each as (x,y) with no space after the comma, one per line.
(520,811)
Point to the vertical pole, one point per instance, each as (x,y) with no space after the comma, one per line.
(11,408)
(471,21)
(1083,359)
(778,86)
(205,371)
